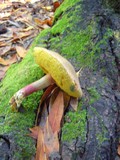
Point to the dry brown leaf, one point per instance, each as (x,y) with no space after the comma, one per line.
(21,51)
(4,50)
(28,28)
(43,105)
(45,26)
(47,142)
(118,150)
(42,22)
(4,5)
(48,21)
(53,96)
(2,43)
(25,34)
(38,21)
(34,132)
(40,153)
(56,113)
(4,16)
(74,103)
(6,62)
(3,61)
(56,5)
(13,59)
(48,92)
(48,8)
(50,139)
(66,100)
(21,35)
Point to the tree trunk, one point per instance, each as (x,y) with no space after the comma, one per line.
(87,33)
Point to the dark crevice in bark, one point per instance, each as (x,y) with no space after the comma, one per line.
(5,147)
(87,132)
(6,139)
(117,62)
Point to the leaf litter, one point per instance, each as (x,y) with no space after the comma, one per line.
(20,22)
(49,120)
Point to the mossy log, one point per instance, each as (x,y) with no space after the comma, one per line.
(87,34)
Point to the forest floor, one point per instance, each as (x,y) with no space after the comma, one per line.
(20,23)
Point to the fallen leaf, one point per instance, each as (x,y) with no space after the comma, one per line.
(38,21)
(43,106)
(28,28)
(56,4)
(4,16)
(6,62)
(2,44)
(21,51)
(49,21)
(42,22)
(4,50)
(74,103)
(40,153)
(34,132)
(45,26)
(50,140)
(20,35)
(50,123)
(3,28)
(48,92)
(47,142)
(48,8)
(25,34)
(3,61)
(56,113)
(66,100)
(3,5)
(33,1)
(118,150)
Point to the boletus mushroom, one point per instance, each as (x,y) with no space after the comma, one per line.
(58,70)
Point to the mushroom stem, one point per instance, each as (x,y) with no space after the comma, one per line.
(42,83)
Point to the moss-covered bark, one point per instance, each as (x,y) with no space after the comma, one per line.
(82,36)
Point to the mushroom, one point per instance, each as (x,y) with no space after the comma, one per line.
(58,70)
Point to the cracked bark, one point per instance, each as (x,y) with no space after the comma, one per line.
(108,106)
(103,115)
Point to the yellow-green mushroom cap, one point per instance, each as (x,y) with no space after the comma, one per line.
(60,70)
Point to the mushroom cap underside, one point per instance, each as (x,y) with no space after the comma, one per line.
(60,70)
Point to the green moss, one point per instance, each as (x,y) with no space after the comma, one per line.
(73,40)
(65,6)
(18,76)
(94,95)
(75,126)
(77,43)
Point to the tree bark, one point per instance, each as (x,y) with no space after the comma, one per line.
(87,33)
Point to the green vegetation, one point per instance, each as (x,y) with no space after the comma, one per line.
(18,76)
(75,126)
(19,123)
(94,95)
